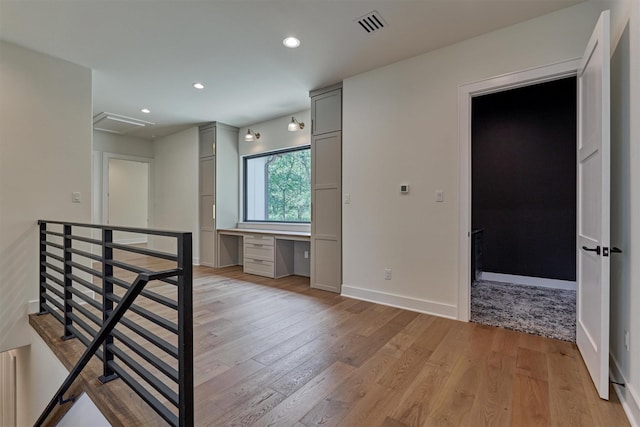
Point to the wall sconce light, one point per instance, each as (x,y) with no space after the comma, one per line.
(295,125)
(251,135)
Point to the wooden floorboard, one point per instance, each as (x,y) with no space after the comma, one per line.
(277,353)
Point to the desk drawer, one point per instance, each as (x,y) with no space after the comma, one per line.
(258,239)
(259,267)
(258,251)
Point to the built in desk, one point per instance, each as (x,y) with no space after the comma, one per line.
(269,253)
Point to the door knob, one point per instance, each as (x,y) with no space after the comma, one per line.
(596,249)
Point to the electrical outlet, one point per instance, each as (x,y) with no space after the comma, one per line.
(626,340)
(439,196)
(387,274)
(306,254)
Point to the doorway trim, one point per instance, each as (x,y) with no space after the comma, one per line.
(105,183)
(466,92)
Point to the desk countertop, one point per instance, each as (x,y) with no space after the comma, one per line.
(262,231)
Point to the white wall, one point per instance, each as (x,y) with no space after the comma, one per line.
(625,207)
(106,142)
(175,188)
(401,126)
(45,155)
(84,413)
(274,134)
(41,374)
(45,375)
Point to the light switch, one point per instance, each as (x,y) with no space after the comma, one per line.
(75,197)
(439,196)
(347,199)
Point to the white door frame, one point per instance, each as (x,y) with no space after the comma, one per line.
(105,183)
(466,92)
(8,390)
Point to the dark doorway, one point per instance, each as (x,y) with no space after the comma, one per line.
(523,176)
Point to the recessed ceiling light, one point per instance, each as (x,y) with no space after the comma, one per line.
(198,85)
(146,110)
(291,42)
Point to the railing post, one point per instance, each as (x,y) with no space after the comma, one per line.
(66,232)
(185,331)
(43,268)
(107,304)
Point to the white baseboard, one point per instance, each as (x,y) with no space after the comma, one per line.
(196,261)
(529,281)
(399,301)
(33,306)
(628,397)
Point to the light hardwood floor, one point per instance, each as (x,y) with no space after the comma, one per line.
(277,353)
(274,352)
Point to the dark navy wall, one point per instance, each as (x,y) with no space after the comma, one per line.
(524,179)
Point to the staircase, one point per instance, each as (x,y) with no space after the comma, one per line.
(125,315)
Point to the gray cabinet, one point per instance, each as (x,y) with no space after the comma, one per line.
(207,141)
(218,195)
(326,110)
(326,189)
(258,255)
(207,210)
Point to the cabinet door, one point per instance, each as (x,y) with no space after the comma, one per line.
(207,211)
(207,140)
(326,212)
(326,112)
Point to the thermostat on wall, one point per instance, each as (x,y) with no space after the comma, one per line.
(404,188)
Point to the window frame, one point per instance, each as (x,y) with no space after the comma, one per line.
(244,182)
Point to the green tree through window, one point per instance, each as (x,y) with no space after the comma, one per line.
(278,186)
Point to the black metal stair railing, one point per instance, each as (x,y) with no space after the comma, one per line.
(144,333)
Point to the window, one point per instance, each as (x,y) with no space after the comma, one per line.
(277,186)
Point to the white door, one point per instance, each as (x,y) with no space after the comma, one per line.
(593,207)
(128,198)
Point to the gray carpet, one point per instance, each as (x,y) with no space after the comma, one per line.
(535,310)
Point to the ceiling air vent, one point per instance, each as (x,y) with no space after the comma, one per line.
(115,123)
(371,22)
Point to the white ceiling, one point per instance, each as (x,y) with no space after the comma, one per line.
(147,53)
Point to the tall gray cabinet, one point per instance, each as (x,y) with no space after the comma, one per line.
(326,188)
(218,185)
